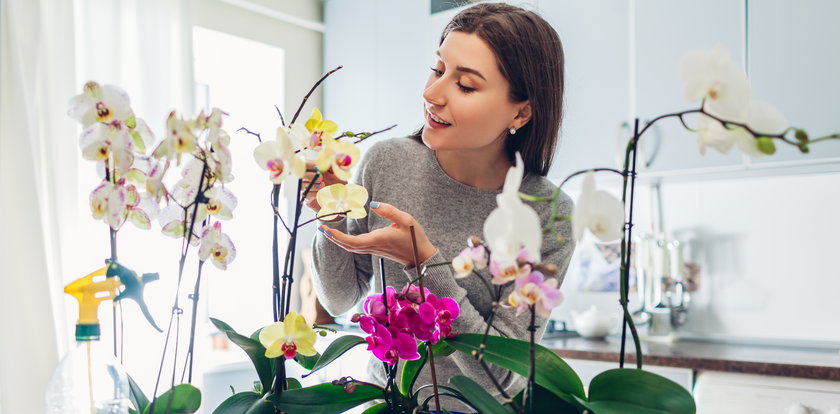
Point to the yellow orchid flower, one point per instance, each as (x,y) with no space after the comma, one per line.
(349,199)
(341,156)
(319,128)
(288,338)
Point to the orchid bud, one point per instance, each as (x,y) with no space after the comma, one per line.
(350,388)
(548,268)
(803,147)
(413,296)
(766,145)
(355,318)
(474,241)
(801,135)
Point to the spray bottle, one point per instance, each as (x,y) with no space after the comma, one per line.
(89,380)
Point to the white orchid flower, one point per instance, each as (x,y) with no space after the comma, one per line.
(108,203)
(710,75)
(513,224)
(220,203)
(173,222)
(142,136)
(216,246)
(214,124)
(186,189)
(712,133)
(140,210)
(278,156)
(599,211)
(154,182)
(221,162)
(97,103)
(101,141)
(762,118)
(179,139)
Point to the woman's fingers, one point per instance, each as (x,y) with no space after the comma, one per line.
(392,213)
(355,244)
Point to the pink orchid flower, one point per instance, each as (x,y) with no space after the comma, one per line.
(535,290)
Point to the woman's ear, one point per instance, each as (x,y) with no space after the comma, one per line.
(524,114)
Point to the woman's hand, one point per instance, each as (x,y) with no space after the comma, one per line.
(325,179)
(392,242)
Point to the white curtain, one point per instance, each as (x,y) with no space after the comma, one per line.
(48,49)
(37,183)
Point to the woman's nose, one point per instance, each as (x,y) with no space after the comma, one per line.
(433,94)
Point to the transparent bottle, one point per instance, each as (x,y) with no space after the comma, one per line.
(89,380)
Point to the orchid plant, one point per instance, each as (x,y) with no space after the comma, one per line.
(410,324)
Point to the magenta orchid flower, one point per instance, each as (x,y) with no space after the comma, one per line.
(392,330)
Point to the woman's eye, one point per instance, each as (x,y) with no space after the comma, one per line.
(465,89)
(437,72)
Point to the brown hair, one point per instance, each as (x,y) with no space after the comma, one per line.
(530,57)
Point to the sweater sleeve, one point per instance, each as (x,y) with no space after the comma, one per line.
(342,278)
(440,280)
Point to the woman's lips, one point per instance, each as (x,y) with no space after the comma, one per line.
(435,124)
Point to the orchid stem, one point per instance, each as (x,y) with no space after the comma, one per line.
(626,245)
(423,299)
(306,98)
(176,310)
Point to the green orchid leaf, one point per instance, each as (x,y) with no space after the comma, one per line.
(411,370)
(546,401)
(480,399)
(442,349)
(185,399)
(552,372)
(245,402)
(337,348)
(254,349)
(307,362)
(292,384)
(634,391)
(136,395)
(376,409)
(324,398)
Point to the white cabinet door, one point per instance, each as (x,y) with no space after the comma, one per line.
(597,78)
(726,392)
(665,30)
(794,56)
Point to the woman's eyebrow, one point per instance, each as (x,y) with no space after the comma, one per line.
(464,68)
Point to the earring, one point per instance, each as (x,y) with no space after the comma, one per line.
(512,130)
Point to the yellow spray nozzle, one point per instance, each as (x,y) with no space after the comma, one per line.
(90,291)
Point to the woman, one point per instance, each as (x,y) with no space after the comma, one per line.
(496,88)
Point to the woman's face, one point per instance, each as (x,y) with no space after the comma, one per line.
(466,99)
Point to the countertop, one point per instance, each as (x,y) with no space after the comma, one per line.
(798,362)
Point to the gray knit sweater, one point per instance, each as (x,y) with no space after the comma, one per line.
(405,173)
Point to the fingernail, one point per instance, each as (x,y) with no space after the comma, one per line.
(374,204)
(325,231)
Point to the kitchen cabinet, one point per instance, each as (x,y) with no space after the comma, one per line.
(664,31)
(794,63)
(597,79)
(726,392)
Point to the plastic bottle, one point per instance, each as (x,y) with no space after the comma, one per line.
(89,380)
